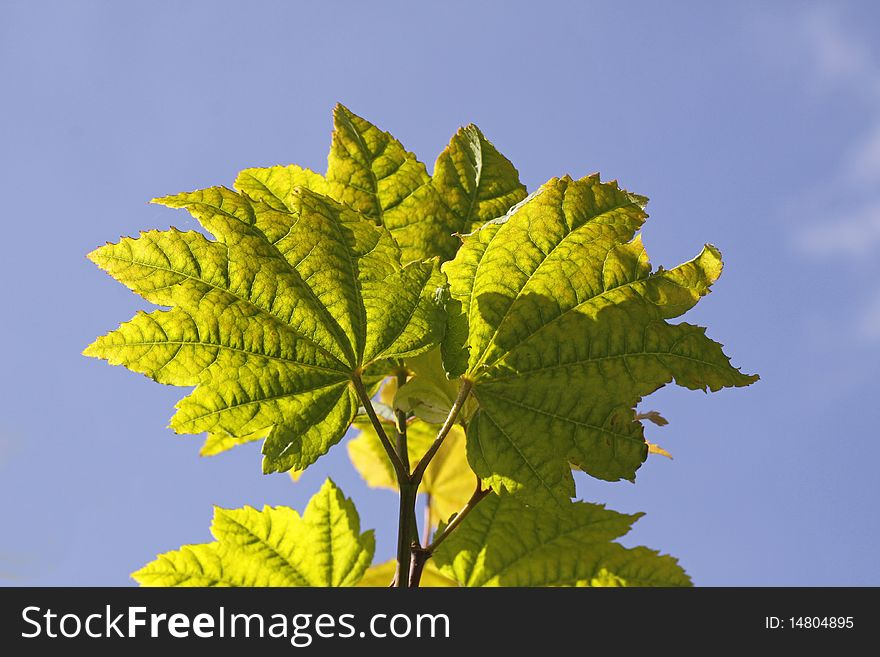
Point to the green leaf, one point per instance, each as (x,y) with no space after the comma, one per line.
(472,184)
(566,331)
(372,172)
(273,547)
(271,320)
(476,182)
(217,443)
(505,543)
(275,186)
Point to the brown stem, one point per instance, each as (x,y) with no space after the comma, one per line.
(419,559)
(406,521)
(400,470)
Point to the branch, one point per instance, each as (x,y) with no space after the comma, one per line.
(477,497)
(406,525)
(420,555)
(400,470)
(463,393)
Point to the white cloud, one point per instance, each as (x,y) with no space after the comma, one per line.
(863,159)
(838,55)
(844,217)
(855,233)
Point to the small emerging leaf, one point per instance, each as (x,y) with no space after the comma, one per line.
(654,448)
(425,399)
(653,416)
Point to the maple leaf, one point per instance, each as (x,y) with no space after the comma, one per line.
(532,346)
(370,171)
(271,321)
(560,325)
(502,542)
(273,547)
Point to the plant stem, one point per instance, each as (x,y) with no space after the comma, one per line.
(411,556)
(477,497)
(400,469)
(420,555)
(406,522)
(463,393)
(419,559)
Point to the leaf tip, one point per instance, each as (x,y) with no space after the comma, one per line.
(92,351)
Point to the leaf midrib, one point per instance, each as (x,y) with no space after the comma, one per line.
(261,309)
(531,276)
(265,542)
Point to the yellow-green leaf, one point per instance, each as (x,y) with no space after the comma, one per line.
(566,331)
(217,443)
(272,318)
(505,543)
(273,547)
(275,186)
(372,172)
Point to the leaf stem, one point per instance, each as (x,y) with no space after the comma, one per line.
(411,556)
(463,393)
(400,469)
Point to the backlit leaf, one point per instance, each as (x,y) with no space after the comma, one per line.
(505,543)
(270,320)
(273,547)
(567,331)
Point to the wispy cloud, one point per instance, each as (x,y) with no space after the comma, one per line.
(863,159)
(843,218)
(837,54)
(854,233)
(869,322)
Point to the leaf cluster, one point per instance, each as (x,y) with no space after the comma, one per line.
(483,341)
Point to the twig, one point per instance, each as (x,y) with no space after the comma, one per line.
(399,469)
(478,495)
(420,556)
(463,393)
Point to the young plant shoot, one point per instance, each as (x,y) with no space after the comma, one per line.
(484,343)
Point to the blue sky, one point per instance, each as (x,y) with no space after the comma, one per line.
(754,126)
